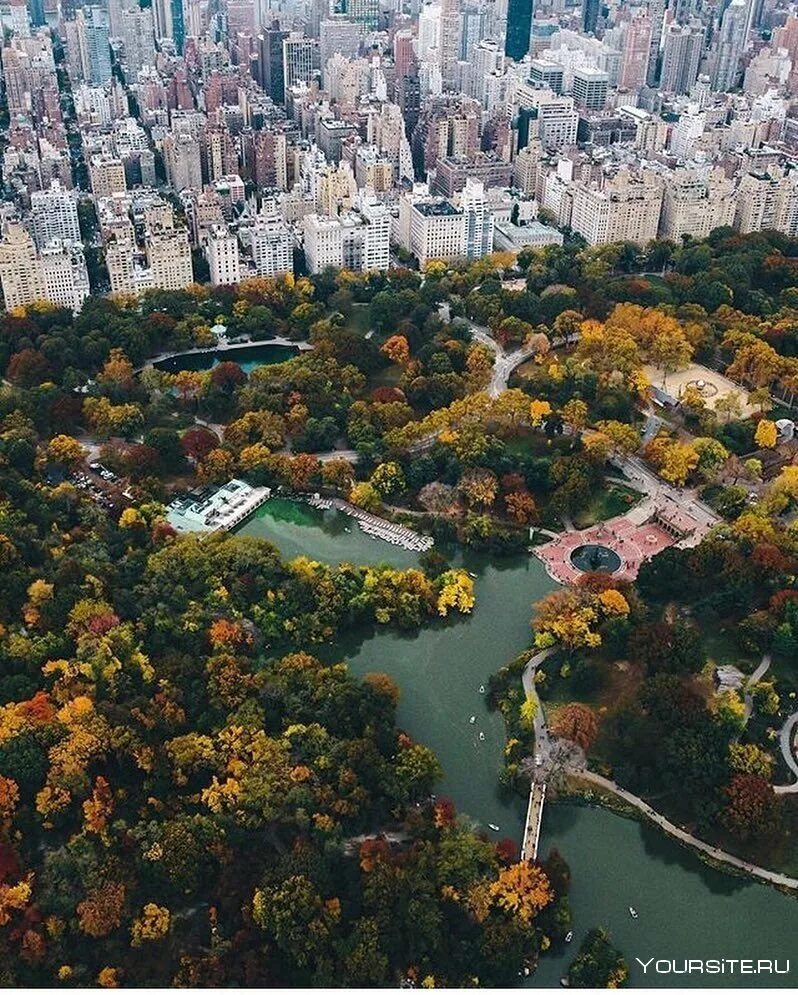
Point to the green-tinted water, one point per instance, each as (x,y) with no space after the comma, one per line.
(686,910)
(247,358)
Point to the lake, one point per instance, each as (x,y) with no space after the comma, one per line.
(686,909)
(247,357)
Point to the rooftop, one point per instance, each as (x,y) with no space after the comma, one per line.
(437,209)
(211,509)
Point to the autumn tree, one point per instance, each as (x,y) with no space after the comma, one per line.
(523,890)
(766,435)
(65,449)
(576,722)
(752,808)
(396,348)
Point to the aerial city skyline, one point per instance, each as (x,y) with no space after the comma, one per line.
(209,141)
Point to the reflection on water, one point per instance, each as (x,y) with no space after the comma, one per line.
(686,909)
(248,359)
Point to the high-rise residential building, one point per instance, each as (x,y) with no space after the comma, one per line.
(297,59)
(487,59)
(681,57)
(624,208)
(169,258)
(138,37)
(768,199)
(526,169)
(356,240)
(687,131)
(478,220)
(435,229)
(20,272)
(450,41)
(120,255)
(183,159)
(590,13)
(107,175)
(66,279)
(271,244)
(636,53)
(428,46)
(552,117)
(519,28)
(695,202)
(656,14)
(56,274)
(590,88)
(224,260)
(98,47)
(729,46)
(54,215)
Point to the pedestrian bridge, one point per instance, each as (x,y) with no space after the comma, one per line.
(534,818)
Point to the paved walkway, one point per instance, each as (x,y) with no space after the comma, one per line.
(721,856)
(786,737)
(755,678)
(504,363)
(545,750)
(632,541)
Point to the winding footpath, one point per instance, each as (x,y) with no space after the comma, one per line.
(545,753)
(504,362)
(755,678)
(786,737)
(720,856)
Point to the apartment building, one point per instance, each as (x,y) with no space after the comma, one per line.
(356,240)
(695,202)
(625,208)
(224,260)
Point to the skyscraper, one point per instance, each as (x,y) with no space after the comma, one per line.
(297,59)
(590,13)
(478,220)
(636,52)
(98,47)
(730,44)
(170,21)
(681,57)
(450,39)
(656,12)
(270,58)
(519,28)
(364,11)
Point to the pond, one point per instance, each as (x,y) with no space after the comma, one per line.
(247,357)
(686,910)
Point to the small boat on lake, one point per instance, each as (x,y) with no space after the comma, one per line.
(569,936)
(473,719)
(493,826)
(633,912)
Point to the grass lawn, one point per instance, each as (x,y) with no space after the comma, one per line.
(722,647)
(359,318)
(387,377)
(536,444)
(607,503)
